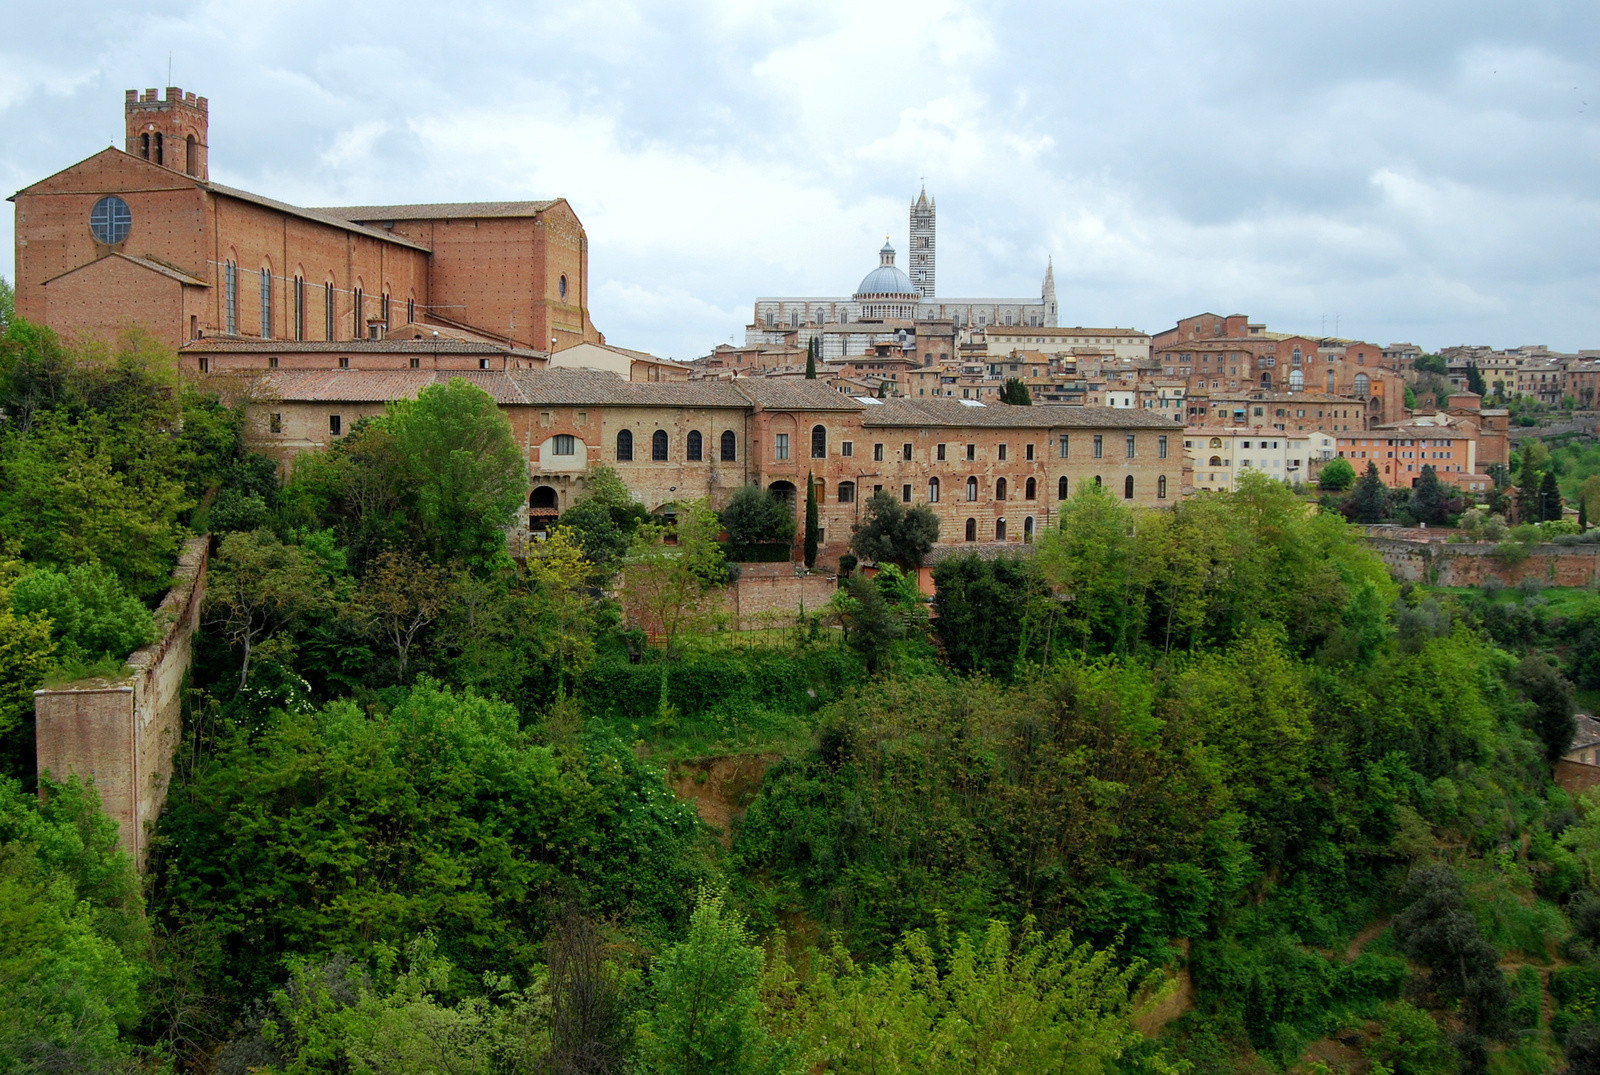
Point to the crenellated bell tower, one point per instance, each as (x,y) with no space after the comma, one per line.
(170,132)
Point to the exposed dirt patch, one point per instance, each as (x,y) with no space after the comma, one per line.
(1341,1053)
(721,789)
(1177,1003)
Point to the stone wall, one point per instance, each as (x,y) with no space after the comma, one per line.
(1575,778)
(122,734)
(772,595)
(1439,563)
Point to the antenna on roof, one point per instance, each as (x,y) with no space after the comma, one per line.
(169,68)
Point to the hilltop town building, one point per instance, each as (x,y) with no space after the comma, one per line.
(991,472)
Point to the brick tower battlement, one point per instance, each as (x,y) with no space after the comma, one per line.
(170,132)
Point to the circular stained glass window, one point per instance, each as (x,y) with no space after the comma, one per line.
(110,220)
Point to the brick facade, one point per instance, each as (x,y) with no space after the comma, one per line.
(198,259)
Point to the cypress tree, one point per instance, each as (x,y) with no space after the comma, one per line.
(1370,496)
(1428,501)
(811,359)
(813,530)
(1475,379)
(1583,515)
(1550,502)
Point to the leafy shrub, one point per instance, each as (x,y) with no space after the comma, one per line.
(91,615)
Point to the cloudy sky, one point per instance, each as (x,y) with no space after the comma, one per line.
(1423,171)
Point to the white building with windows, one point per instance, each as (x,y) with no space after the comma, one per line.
(890,299)
(1220,457)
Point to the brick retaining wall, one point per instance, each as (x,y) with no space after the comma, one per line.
(122,734)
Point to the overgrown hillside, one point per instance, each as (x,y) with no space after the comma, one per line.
(1193,790)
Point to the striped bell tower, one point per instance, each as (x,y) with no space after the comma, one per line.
(920,260)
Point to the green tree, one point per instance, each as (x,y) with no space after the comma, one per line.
(1092,557)
(1410,398)
(8,304)
(464,475)
(1429,500)
(755,516)
(891,533)
(813,527)
(400,595)
(91,616)
(990,1003)
(1015,392)
(1431,364)
(1475,379)
(26,651)
(1551,506)
(813,347)
(258,588)
(1337,475)
(982,610)
(1554,718)
(605,517)
(1371,497)
(871,624)
(1438,930)
(706,1019)
(559,575)
(72,932)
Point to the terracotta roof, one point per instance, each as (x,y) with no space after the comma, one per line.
(340,386)
(983,550)
(583,387)
(954,412)
(321,216)
(438,210)
(144,263)
(794,395)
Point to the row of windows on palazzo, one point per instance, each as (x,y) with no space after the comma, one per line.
(660,447)
(845,492)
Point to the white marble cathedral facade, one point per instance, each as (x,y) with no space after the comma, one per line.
(890,300)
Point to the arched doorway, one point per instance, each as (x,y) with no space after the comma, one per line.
(785,491)
(544,504)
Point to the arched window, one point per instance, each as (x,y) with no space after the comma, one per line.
(561,288)
(972,530)
(191,159)
(266,302)
(358,313)
(693,446)
(658,446)
(999,488)
(1061,488)
(730,444)
(1362,385)
(933,490)
(972,488)
(1031,490)
(625,446)
(327,310)
(1098,484)
(1266,378)
(383,309)
(1127,487)
(999,529)
(1330,382)
(144,146)
(1216,461)
(819,442)
(1027,530)
(299,307)
(230,298)
(1161,487)
(847,492)
(1297,381)
(1216,442)
(543,497)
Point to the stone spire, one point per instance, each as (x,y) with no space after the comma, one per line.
(1047,293)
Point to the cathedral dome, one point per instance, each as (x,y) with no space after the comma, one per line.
(886,280)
